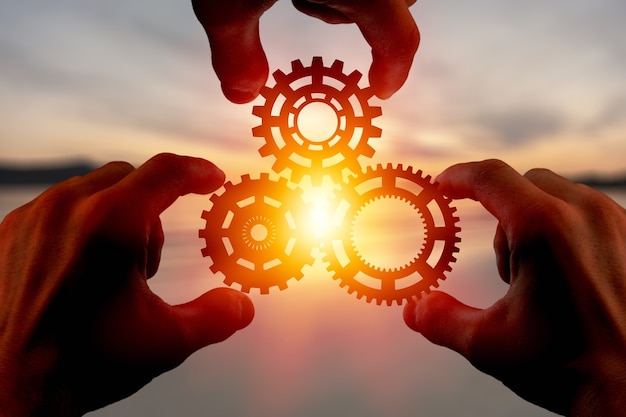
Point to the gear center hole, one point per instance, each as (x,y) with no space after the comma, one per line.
(259,232)
(317,122)
(388,233)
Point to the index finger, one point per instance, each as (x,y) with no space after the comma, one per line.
(387,26)
(154,186)
(498,187)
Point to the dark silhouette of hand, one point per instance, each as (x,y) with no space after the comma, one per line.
(241,65)
(558,336)
(80,326)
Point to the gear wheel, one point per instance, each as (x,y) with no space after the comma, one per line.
(366,278)
(283,135)
(251,233)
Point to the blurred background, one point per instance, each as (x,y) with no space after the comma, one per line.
(533,83)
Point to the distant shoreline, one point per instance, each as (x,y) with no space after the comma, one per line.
(42,175)
(52,174)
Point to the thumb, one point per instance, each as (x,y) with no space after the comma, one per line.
(444,320)
(213,317)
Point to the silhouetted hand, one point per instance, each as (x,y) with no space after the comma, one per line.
(240,62)
(558,336)
(80,326)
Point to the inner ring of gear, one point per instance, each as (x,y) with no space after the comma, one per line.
(389,285)
(312,144)
(304,156)
(253,242)
(370,262)
(252,262)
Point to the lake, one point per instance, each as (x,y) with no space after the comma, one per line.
(313,350)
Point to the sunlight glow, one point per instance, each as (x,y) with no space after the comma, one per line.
(317,122)
(318,199)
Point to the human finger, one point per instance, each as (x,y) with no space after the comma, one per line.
(322,11)
(554,184)
(154,186)
(155,245)
(236,51)
(499,188)
(444,321)
(211,318)
(503,254)
(387,26)
(105,176)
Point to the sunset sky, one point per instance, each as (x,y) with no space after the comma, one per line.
(534,83)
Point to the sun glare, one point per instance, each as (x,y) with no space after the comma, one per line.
(318,197)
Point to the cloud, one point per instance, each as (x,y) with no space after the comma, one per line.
(612,114)
(517,127)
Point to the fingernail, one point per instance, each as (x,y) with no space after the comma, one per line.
(239,96)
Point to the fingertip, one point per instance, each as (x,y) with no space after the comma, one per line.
(409,313)
(387,76)
(239,62)
(443,320)
(239,96)
(419,313)
(236,306)
(214,177)
(246,310)
(214,316)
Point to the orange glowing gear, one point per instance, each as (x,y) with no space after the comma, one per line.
(251,234)
(284,138)
(427,266)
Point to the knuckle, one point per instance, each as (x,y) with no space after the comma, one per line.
(488,169)
(121,166)
(599,206)
(537,173)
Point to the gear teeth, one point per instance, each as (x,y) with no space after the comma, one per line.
(281,180)
(280,77)
(297,66)
(366,150)
(374,132)
(337,66)
(355,77)
(265,92)
(227,186)
(266,150)
(259,111)
(317,62)
(260,132)
(205,252)
(296,175)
